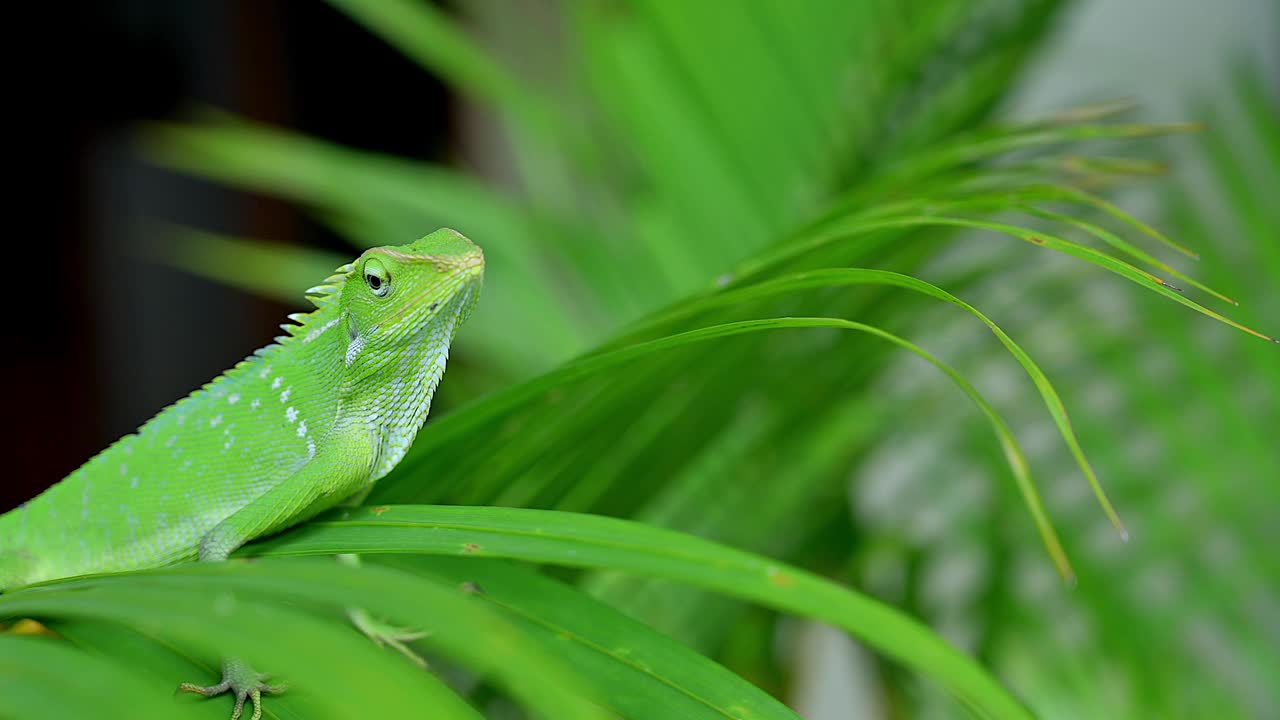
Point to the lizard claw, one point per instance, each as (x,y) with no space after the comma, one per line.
(238,678)
(383,634)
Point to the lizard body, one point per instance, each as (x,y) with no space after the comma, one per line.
(292,430)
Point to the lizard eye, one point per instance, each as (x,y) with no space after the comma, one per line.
(377,278)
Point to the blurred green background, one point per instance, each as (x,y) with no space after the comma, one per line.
(620,159)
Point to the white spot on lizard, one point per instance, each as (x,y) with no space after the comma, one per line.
(233,398)
(216,421)
(302,429)
(275,384)
(291,414)
(253,405)
(284,396)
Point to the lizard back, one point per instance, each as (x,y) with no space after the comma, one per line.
(148,498)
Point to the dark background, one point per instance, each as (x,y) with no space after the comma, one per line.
(102,336)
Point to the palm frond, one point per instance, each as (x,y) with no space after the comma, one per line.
(716,231)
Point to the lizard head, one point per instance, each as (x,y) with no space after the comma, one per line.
(402,303)
(400,307)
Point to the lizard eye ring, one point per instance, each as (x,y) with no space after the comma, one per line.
(377,278)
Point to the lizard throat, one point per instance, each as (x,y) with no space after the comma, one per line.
(404,409)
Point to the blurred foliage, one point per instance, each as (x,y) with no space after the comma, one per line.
(709,235)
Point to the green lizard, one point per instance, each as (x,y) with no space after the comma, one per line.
(296,428)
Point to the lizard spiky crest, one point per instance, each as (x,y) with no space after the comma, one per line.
(321,296)
(325,292)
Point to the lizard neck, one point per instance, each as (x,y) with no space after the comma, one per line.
(392,398)
(412,385)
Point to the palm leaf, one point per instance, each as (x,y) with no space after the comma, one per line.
(701,204)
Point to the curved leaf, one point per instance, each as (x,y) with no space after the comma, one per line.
(496,404)
(599,542)
(224,607)
(213,620)
(637,672)
(34,683)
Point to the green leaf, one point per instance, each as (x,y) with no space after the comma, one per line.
(34,673)
(637,672)
(599,542)
(227,608)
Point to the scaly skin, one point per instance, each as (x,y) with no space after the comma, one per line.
(292,430)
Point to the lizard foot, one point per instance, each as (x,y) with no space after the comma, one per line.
(384,634)
(238,678)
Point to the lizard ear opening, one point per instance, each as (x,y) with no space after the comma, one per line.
(377,277)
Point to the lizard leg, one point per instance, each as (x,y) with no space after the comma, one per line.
(338,472)
(382,633)
(316,486)
(386,634)
(238,678)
